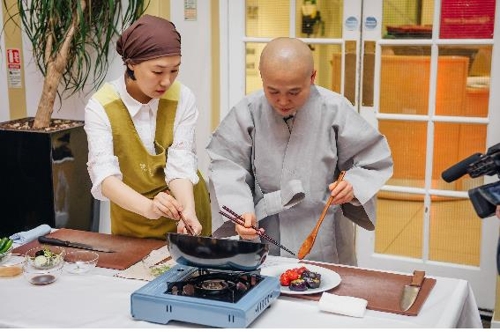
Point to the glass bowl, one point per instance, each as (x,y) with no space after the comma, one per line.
(80,261)
(43,264)
(40,277)
(5,256)
(45,257)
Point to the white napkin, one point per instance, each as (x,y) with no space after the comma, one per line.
(140,271)
(344,305)
(28,236)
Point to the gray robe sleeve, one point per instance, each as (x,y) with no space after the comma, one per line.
(366,156)
(230,170)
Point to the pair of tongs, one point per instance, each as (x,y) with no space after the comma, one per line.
(237,219)
(309,241)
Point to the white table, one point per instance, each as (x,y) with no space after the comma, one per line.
(99,300)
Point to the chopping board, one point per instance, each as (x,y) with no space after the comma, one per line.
(381,289)
(128,250)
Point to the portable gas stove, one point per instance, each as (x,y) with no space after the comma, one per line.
(214,294)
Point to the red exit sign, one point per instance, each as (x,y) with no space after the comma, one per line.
(13,56)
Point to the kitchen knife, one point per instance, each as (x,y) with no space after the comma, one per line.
(410,292)
(62,243)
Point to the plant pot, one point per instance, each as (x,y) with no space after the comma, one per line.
(44,178)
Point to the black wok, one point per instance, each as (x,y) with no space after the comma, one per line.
(224,254)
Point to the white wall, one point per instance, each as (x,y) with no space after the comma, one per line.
(196,67)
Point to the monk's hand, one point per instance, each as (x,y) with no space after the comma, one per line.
(188,223)
(167,206)
(247,232)
(342,192)
(498,211)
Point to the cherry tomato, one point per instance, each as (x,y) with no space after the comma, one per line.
(284,280)
(301,269)
(292,274)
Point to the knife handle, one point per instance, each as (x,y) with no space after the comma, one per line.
(418,278)
(52,241)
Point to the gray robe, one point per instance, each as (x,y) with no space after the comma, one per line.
(258,166)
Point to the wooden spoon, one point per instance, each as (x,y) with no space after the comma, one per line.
(309,241)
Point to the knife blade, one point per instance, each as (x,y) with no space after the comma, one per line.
(410,292)
(62,243)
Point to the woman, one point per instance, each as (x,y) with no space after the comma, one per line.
(141,136)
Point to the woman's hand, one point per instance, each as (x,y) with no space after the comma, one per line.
(189,224)
(167,206)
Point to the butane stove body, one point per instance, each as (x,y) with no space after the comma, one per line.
(218,298)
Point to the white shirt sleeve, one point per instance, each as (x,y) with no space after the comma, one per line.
(182,162)
(102,161)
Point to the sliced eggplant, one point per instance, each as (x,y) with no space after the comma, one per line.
(312,282)
(298,285)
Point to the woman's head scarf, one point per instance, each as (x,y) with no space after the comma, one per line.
(148,38)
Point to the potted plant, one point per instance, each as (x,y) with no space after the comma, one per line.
(45,159)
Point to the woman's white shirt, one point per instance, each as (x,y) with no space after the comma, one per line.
(182,159)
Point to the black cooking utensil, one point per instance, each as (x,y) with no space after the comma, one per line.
(223,254)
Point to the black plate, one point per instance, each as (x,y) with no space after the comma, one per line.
(224,254)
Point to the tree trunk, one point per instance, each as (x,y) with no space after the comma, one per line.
(55,67)
(48,97)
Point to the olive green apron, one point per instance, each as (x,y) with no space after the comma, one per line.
(145,172)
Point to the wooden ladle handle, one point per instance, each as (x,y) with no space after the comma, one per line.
(328,203)
(309,241)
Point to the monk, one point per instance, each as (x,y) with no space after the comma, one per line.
(275,158)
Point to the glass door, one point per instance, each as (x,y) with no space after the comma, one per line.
(431,67)
(424,82)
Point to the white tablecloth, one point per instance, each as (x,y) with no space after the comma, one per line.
(99,300)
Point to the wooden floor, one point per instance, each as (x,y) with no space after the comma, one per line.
(454,230)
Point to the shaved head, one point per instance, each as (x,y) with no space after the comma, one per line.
(283,54)
(287,72)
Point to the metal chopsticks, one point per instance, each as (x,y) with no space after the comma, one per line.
(237,219)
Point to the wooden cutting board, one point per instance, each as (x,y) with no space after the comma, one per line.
(128,250)
(382,290)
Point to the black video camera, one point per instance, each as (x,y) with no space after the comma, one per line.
(484,198)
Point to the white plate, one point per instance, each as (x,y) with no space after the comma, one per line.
(329,278)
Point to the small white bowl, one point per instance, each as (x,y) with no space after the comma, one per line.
(80,261)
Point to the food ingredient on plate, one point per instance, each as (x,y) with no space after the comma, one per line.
(5,244)
(300,279)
